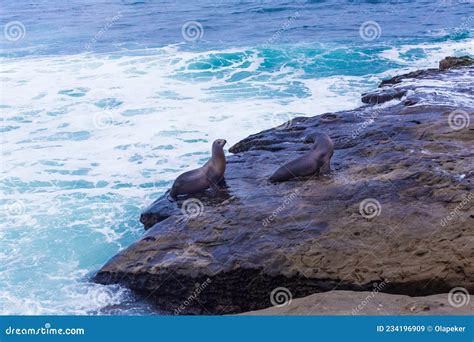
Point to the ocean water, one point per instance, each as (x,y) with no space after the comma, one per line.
(104,103)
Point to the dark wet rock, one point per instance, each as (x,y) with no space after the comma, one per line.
(445,64)
(309,235)
(381,96)
(455,62)
(158,211)
(418,74)
(165,207)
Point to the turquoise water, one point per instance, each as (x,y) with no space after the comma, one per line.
(97,125)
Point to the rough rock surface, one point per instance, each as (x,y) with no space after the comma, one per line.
(368,303)
(406,161)
(455,62)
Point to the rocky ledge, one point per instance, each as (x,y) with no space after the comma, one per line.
(396,208)
(368,303)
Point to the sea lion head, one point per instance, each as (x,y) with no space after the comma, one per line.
(219,143)
(218,148)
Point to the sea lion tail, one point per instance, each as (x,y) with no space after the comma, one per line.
(275,177)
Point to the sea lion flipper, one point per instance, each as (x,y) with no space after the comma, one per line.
(326,166)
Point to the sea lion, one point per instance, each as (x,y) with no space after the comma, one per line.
(207,176)
(317,159)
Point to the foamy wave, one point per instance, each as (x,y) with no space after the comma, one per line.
(106,120)
(79,299)
(429,53)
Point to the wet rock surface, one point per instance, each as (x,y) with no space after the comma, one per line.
(397,207)
(455,62)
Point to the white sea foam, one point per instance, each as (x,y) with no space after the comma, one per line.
(432,53)
(156,110)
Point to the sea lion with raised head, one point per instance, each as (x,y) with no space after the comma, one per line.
(207,176)
(317,159)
